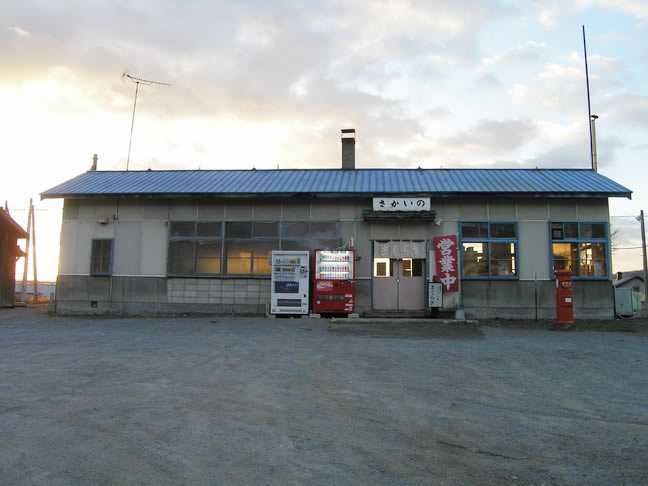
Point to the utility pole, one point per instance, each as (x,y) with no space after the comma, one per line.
(643,249)
(33,213)
(26,267)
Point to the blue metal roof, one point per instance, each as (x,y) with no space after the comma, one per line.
(440,182)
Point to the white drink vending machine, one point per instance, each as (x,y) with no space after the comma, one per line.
(289,287)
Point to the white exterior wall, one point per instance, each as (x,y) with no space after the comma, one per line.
(139,227)
(80,226)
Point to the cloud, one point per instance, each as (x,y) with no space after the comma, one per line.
(605,64)
(604,71)
(389,69)
(607,149)
(576,154)
(547,15)
(638,8)
(557,73)
(495,136)
(488,80)
(556,99)
(20,32)
(255,44)
(527,52)
(487,138)
(322,67)
(573,155)
(628,231)
(629,109)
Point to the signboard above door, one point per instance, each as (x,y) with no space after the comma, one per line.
(401,204)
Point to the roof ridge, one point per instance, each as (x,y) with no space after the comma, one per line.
(358,182)
(313,169)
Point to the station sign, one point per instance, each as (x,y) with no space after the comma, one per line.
(402,204)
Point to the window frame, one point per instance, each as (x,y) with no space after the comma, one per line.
(579,240)
(310,241)
(194,239)
(490,240)
(109,272)
(310,238)
(251,240)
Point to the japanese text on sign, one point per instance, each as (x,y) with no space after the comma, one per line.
(435,295)
(445,257)
(401,204)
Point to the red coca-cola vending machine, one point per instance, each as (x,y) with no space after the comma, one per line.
(334,282)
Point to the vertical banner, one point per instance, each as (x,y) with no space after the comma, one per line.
(447,265)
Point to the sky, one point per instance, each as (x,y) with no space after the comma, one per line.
(462,84)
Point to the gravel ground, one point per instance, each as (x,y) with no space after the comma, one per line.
(294,401)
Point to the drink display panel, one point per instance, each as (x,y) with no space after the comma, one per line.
(334,265)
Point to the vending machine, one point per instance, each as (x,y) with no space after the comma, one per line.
(334,282)
(290,279)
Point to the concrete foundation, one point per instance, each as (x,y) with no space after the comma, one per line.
(519,299)
(161,296)
(238,296)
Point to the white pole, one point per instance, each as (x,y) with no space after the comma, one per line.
(594,152)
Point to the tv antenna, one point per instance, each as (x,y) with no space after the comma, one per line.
(137,81)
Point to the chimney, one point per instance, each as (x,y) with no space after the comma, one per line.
(348,148)
(94,162)
(619,275)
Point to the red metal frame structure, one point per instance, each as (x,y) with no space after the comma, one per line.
(334,282)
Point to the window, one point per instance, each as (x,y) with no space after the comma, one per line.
(489,249)
(412,267)
(382,267)
(580,248)
(248,247)
(181,257)
(398,267)
(240,247)
(101,257)
(194,248)
(305,235)
(208,256)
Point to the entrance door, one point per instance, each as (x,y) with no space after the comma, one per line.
(398,284)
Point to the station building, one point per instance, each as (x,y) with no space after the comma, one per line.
(171,242)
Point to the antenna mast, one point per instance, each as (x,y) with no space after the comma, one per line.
(137,81)
(590,119)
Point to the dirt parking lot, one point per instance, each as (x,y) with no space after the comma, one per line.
(304,401)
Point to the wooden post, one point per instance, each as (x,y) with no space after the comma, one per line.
(26,267)
(33,228)
(645,263)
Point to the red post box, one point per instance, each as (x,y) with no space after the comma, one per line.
(564,297)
